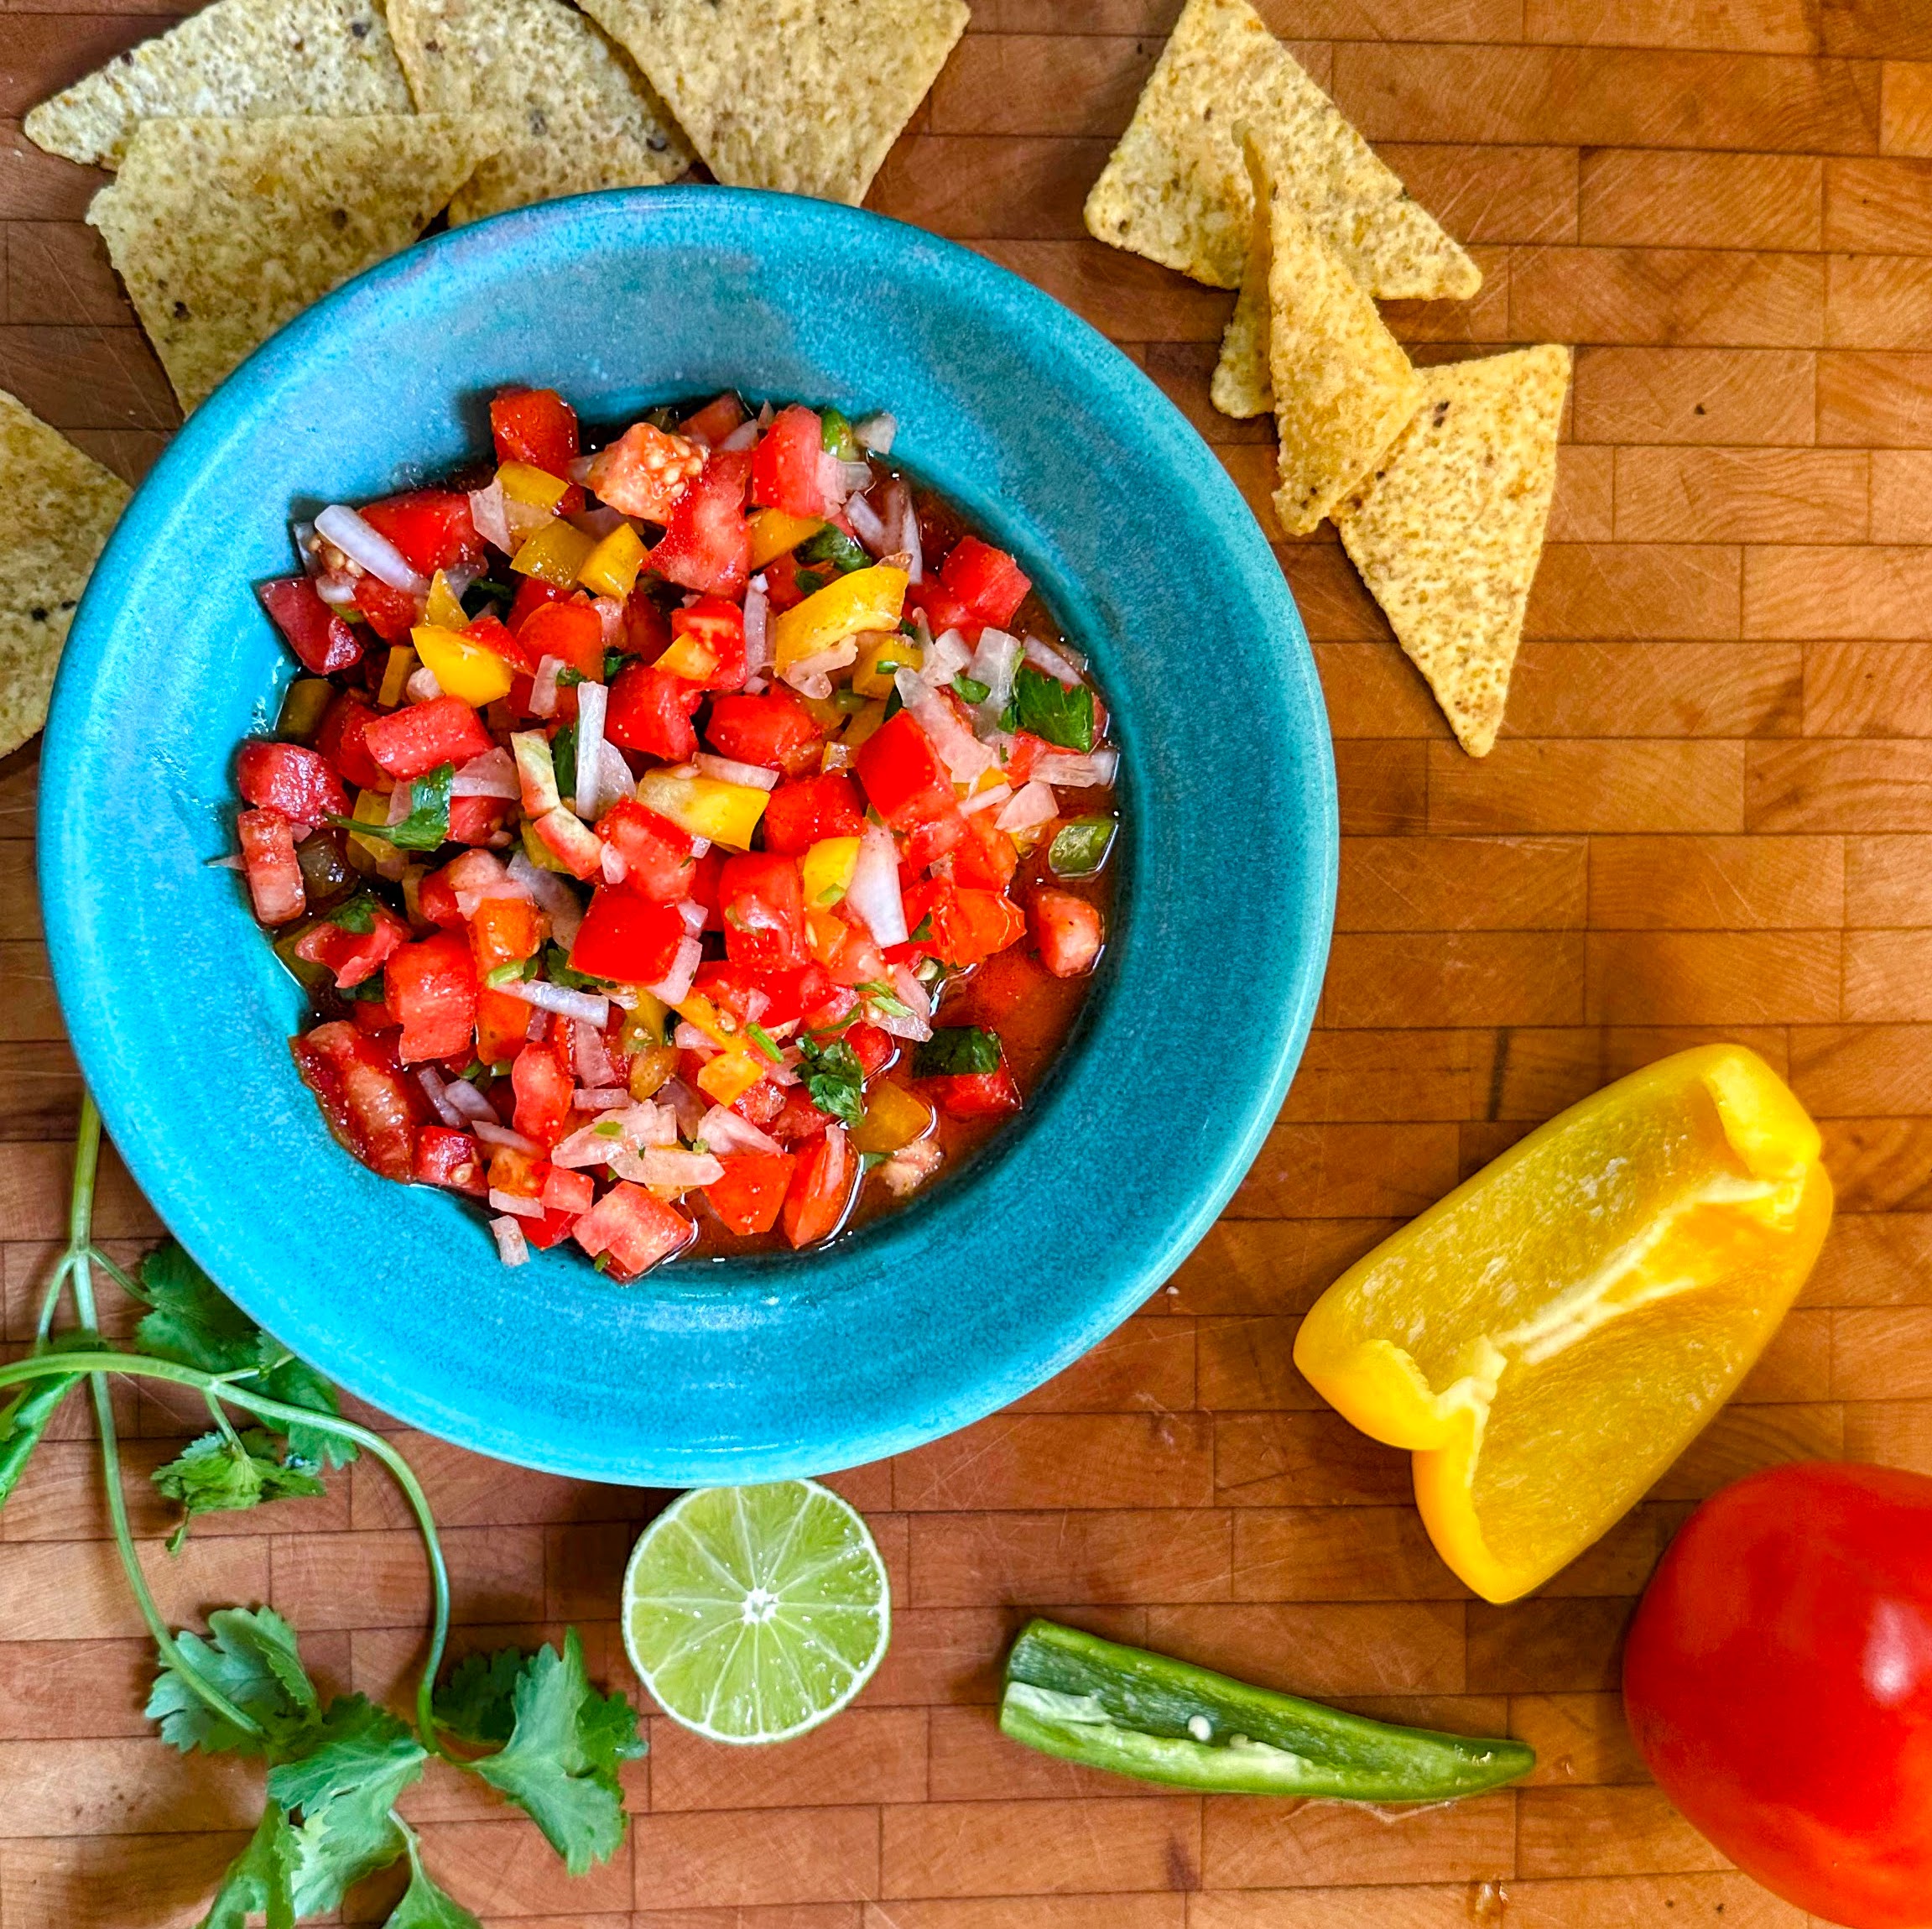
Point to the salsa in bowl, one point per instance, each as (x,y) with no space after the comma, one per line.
(671,836)
(1046,443)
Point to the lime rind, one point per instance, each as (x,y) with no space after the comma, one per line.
(754,1613)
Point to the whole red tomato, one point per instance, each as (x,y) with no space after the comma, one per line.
(1778,1679)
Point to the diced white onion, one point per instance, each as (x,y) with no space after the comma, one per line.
(724,1131)
(236,863)
(401,802)
(588,1053)
(874,890)
(492,774)
(688,1108)
(539,1028)
(616,783)
(676,985)
(693,913)
(758,630)
(495,1134)
(946,657)
(671,1165)
(476,876)
(486,512)
(811,676)
(867,527)
(516,1203)
(524,519)
(855,475)
(615,870)
(543,687)
(985,800)
(911,1166)
(1043,656)
(561,1000)
(553,896)
(361,543)
(753,776)
(688,1038)
(432,1084)
(993,663)
(423,686)
(916,1024)
(757,686)
(876,432)
(637,1126)
(598,522)
(611,614)
(1076,772)
(962,753)
(591,698)
(580,469)
(601,1098)
(741,437)
(338,591)
(1031,804)
(512,1248)
(910,543)
(466,1098)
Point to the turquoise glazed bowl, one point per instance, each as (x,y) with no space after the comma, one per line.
(1055,445)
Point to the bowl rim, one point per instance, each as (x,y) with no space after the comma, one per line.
(76,949)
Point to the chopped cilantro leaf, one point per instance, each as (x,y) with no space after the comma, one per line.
(765,1043)
(835,1080)
(970,689)
(568,679)
(832,545)
(514,973)
(427,826)
(613,662)
(810,582)
(607,1129)
(880,997)
(957,1048)
(357,914)
(563,759)
(922,931)
(1047,707)
(557,970)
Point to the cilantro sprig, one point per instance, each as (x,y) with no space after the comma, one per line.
(835,1080)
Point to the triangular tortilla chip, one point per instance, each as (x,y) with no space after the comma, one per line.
(1343,388)
(56,508)
(581,115)
(803,95)
(1175,189)
(238,59)
(224,230)
(1240,385)
(1447,531)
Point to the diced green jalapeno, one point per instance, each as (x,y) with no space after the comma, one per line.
(1079,848)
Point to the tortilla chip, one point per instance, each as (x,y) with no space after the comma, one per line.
(1175,190)
(1447,531)
(803,95)
(582,116)
(1240,385)
(56,507)
(238,59)
(224,230)
(1343,388)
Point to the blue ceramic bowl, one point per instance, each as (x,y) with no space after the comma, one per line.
(1054,445)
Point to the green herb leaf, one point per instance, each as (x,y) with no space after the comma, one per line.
(922,931)
(614,661)
(1079,846)
(359,1760)
(357,914)
(253,1660)
(880,997)
(484,595)
(568,679)
(1046,707)
(970,689)
(514,973)
(765,1043)
(957,1050)
(563,759)
(810,582)
(218,1475)
(475,1701)
(557,970)
(260,1881)
(24,1418)
(608,1128)
(835,1080)
(424,1906)
(427,826)
(561,1763)
(832,546)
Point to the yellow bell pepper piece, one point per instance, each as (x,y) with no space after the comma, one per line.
(694,1008)
(865,599)
(893,1118)
(705,806)
(555,553)
(536,488)
(774,534)
(396,674)
(370,853)
(1550,1337)
(878,657)
(688,659)
(826,870)
(642,1027)
(464,669)
(444,608)
(726,1078)
(652,1069)
(610,569)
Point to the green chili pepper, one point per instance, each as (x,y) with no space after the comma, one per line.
(1093,1701)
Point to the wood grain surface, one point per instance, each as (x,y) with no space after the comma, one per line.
(1709,816)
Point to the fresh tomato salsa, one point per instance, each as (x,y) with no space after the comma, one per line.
(694,844)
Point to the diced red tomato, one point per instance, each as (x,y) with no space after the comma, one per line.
(392,613)
(874,1050)
(432,527)
(1067,931)
(782,590)
(323,643)
(1022,754)
(627,938)
(420,736)
(964,925)
(991,584)
(269,862)
(478,820)
(718,626)
(715,420)
(645,471)
(656,854)
(774,730)
(802,812)
(999,988)
(634,1228)
(646,631)
(514,1171)
(354,956)
(903,776)
(650,710)
(799,1120)
(985,855)
(341,743)
(704,891)
(503,1026)
(821,1189)
(503,930)
(543,1089)
(447,1157)
(533,594)
(707,544)
(551,1230)
(943,610)
(370,1109)
(975,1094)
(568,1191)
(771,997)
(763,901)
(539,427)
(372,1016)
(785,464)
(431,987)
(845,949)
(761,1104)
(436,901)
(571,632)
(292,779)
(751,1193)
(931,839)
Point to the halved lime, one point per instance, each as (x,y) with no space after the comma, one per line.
(754,1613)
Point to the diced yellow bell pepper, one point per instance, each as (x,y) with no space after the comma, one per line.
(537,488)
(688,658)
(726,1078)
(612,568)
(894,1117)
(694,1008)
(643,1025)
(653,1068)
(865,599)
(774,534)
(705,806)
(827,869)
(1547,1338)
(444,608)
(864,723)
(878,657)
(822,711)
(464,669)
(396,675)
(554,553)
(374,853)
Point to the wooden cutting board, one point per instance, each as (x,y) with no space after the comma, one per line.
(1709,816)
